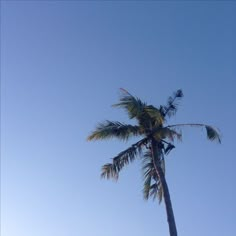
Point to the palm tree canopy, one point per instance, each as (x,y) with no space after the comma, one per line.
(150,125)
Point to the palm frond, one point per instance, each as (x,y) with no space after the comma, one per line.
(149,175)
(146,187)
(134,106)
(111,170)
(153,189)
(147,116)
(114,129)
(172,104)
(212,133)
(152,186)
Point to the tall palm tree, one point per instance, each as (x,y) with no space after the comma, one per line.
(156,141)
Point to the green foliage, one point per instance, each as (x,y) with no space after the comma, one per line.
(134,106)
(212,133)
(150,127)
(151,185)
(114,129)
(172,104)
(147,116)
(111,170)
(166,133)
(151,117)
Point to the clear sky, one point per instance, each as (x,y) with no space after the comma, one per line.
(62,64)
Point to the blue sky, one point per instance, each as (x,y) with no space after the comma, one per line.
(62,64)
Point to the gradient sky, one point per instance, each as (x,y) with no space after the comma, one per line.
(62,64)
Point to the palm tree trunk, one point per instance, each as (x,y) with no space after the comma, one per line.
(160,173)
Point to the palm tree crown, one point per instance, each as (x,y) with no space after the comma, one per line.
(156,141)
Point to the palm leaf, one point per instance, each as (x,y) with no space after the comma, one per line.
(152,186)
(212,133)
(134,106)
(149,175)
(172,104)
(111,170)
(146,187)
(114,129)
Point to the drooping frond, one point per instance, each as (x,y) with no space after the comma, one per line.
(114,129)
(171,107)
(212,133)
(111,170)
(152,186)
(134,106)
(149,174)
(147,186)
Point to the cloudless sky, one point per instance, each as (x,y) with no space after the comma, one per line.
(62,64)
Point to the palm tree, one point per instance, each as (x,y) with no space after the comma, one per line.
(156,141)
